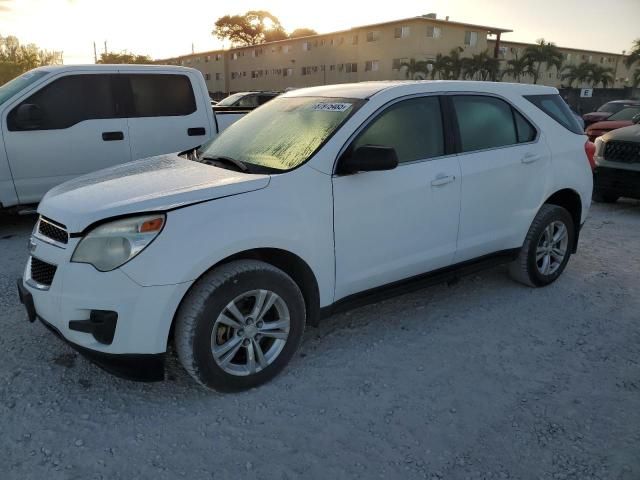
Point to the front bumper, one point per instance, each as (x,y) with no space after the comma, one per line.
(617,181)
(119,324)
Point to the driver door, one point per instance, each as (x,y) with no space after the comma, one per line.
(391,225)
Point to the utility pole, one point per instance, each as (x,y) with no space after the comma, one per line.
(105,47)
(95,53)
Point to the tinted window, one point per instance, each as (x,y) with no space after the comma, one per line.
(413,127)
(70,100)
(556,108)
(484,122)
(161,95)
(262,99)
(247,101)
(526,131)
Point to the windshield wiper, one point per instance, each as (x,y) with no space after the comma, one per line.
(222,159)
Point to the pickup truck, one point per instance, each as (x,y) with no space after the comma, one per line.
(59,122)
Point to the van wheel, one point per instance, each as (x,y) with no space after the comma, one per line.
(604,197)
(546,249)
(239,325)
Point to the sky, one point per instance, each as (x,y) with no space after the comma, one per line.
(164,29)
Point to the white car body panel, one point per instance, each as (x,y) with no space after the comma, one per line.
(354,232)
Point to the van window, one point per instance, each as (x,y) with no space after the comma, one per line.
(70,100)
(412,127)
(161,95)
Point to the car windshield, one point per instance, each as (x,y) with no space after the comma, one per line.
(230,100)
(14,86)
(611,107)
(283,133)
(625,114)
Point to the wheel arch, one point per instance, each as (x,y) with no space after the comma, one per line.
(570,200)
(288,262)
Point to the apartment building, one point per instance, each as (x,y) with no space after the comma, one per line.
(369,52)
(508,50)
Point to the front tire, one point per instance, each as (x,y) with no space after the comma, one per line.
(240,325)
(546,249)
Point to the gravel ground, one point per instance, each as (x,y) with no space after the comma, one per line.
(482,379)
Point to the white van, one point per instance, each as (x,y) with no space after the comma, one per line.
(63,121)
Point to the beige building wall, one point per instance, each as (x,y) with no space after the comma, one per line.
(370,52)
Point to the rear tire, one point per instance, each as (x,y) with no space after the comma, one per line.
(239,325)
(546,249)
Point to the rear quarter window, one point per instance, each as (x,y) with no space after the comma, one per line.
(556,108)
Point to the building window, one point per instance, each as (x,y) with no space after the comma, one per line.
(354,40)
(371,66)
(351,67)
(287,72)
(470,38)
(234,75)
(401,32)
(373,36)
(207,58)
(207,76)
(218,76)
(218,57)
(256,52)
(306,46)
(234,56)
(332,68)
(398,62)
(433,32)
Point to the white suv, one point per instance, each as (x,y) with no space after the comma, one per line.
(314,201)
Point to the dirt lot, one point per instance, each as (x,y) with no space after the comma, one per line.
(481,379)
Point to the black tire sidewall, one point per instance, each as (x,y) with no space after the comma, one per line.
(557,214)
(213,375)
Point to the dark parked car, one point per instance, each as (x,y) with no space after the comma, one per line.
(623,118)
(617,170)
(608,109)
(246,100)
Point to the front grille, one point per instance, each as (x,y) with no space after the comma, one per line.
(52,231)
(42,272)
(624,152)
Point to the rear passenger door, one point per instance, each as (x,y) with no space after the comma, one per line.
(505,168)
(165,115)
(79,132)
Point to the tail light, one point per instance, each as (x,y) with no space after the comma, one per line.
(590,150)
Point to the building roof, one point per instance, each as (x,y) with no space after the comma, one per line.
(525,44)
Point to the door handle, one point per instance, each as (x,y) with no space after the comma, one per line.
(530,158)
(442,180)
(112,136)
(196,132)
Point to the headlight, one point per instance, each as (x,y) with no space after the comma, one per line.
(599,147)
(115,243)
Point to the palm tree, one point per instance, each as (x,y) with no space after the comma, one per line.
(634,55)
(480,66)
(456,63)
(600,75)
(543,52)
(415,69)
(635,79)
(517,68)
(441,67)
(577,73)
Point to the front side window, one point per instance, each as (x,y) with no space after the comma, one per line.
(68,101)
(488,122)
(161,95)
(412,127)
(283,133)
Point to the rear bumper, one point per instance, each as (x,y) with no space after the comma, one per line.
(617,181)
(139,367)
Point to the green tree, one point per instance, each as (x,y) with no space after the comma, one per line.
(517,68)
(600,75)
(123,57)
(302,32)
(252,28)
(635,78)
(634,54)
(577,73)
(440,67)
(481,66)
(415,70)
(456,63)
(543,52)
(16,58)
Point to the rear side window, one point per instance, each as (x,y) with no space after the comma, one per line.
(525,131)
(70,100)
(161,95)
(484,122)
(412,127)
(556,108)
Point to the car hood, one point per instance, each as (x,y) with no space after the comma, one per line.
(626,134)
(153,184)
(609,125)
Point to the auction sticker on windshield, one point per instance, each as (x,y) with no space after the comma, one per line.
(331,107)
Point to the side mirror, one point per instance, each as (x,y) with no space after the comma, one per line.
(29,116)
(368,158)
(636,119)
